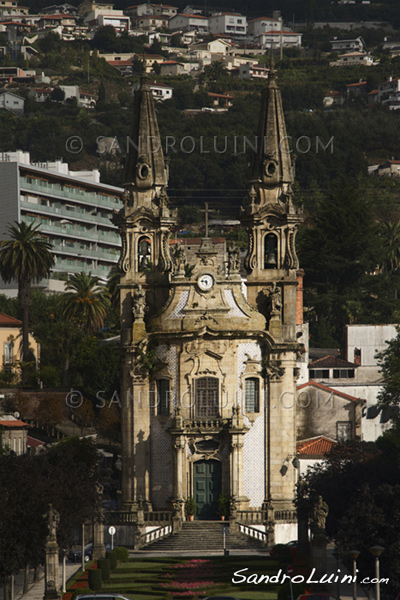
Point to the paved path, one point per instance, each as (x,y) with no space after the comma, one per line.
(36,590)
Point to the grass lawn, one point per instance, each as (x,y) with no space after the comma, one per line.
(167,578)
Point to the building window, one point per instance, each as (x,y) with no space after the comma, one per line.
(252,394)
(8,353)
(163,397)
(319,373)
(271,251)
(343,431)
(206,397)
(343,373)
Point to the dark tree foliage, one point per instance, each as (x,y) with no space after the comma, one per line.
(65,476)
(361,484)
(389,361)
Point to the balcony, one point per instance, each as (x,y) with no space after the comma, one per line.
(62,212)
(90,198)
(201,424)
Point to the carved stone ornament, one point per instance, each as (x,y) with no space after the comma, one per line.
(139,302)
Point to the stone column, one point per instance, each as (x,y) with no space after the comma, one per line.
(179,446)
(51,574)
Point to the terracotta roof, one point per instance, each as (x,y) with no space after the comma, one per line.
(355,84)
(16,423)
(264,19)
(331,362)
(6,320)
(170,62)
(116,63)
(325,388)
(33,442)
(317,446)
(394,162)
(373,93)
(191,16)
(213,95)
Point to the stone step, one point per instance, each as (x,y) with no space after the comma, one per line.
(204,535)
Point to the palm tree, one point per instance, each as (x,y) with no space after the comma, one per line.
(390,246)
(86,301)
(25,257)
(113,281)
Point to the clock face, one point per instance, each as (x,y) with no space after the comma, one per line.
(205,282)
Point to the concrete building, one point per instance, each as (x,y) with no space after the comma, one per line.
(389,93)
(262,25)
(72,208)
(204,424)
(233,24)
(160,91)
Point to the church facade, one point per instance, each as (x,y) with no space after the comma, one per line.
(209,363)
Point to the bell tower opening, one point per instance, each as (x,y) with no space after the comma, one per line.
(270,251)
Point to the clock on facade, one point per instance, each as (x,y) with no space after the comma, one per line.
(205,282)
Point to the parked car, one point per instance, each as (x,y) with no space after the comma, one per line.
(109,596)
(312,596)
(75,554)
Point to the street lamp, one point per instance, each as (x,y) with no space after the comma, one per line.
(354,554)
(336,555)
(377,551)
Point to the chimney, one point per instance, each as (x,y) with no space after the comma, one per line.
(299,297)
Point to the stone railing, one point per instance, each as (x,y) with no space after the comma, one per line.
(157,534)
(206,424)
(254,533)
(119,517)
(251,516)
(288,516)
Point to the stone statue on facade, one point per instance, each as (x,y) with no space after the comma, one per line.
(179,260)
(53,520)
(275,295)
(233,260)
(139,302)
(319,515)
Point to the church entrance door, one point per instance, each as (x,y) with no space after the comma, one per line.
(206,488)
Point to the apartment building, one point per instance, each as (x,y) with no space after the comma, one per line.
(72,208)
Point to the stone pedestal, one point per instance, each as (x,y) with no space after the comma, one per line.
(99,549)
(51,574)
(318,554)
(303,547)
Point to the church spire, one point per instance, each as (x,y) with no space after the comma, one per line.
(272,165)
(145,165)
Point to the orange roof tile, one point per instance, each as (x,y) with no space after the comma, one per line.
(317,446)
(6,320)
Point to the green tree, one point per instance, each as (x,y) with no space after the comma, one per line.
(216,70)
(86,301)
(390,245)
(57,95)
(25,257)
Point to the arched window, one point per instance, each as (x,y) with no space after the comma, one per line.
(144,254)
(270,251)
(252,394)
(207,397)
(163,396)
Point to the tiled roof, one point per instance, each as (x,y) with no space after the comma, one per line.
(14,423)
(213,95)
(33,442)
(356,84)
(331,362)
(325,388)
(6,320)
(317,446)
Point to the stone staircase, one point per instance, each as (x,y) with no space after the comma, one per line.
(203,536)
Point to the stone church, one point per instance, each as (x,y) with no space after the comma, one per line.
(209,358)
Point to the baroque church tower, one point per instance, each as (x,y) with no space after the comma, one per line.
(209,375)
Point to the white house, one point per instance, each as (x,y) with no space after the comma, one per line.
(347,45)
(187,22)
(262,25)
(160,91)
(165,10)
(251,70)
(389,93)
(279,39)
(151,22)
(12,102)
(100,17)
(353,58)
(139,10)
(40,94)
(230,23)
